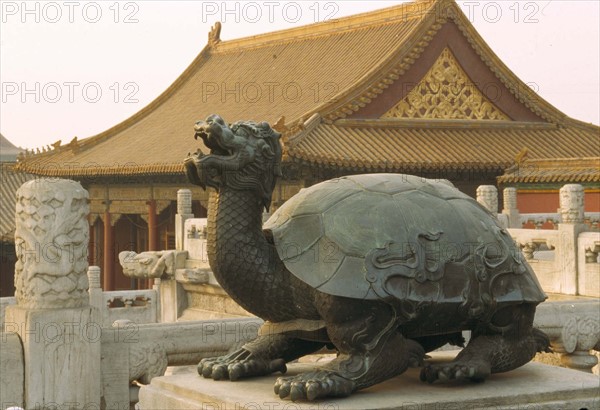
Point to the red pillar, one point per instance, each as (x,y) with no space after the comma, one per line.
(91,245)
(152,232)
(152,226)
(109,271)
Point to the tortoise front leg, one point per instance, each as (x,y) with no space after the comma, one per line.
(371,350)
(264,355)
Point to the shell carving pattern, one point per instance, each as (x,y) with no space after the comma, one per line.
(412,261)
(51,241)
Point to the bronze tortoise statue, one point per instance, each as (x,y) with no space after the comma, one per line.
(381,267)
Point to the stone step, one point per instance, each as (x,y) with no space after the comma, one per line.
(534,385)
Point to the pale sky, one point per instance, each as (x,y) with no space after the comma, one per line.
(76,68)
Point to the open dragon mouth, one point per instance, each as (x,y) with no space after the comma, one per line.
(244,156)
(204,131)
(226,153)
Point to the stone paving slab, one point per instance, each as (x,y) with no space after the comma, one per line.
(533,386)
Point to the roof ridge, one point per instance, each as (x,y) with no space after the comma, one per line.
(387,70)
(404,11)
(523,93)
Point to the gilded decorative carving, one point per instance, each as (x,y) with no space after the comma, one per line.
(114,218)
(378,86)
(446,92)
(121,207)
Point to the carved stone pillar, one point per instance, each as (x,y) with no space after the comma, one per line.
(184,201)
(95,290)
(571,211)
(571,204)
(510,208)
(184,212)
(487,195)
(51,243)
(59,330)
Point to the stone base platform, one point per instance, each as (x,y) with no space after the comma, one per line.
(533,386)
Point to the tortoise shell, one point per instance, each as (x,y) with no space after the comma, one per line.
(400,237)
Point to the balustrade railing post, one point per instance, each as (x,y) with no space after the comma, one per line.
(95,290)
(60,331)
(487,195)
(510,208)
(184,212)
(170,292)
(571,225)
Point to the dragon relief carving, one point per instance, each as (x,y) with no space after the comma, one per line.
(51,241)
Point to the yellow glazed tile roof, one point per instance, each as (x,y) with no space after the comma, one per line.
(557,170)
(404,145)
(329,69)
(11,182)
(259,78)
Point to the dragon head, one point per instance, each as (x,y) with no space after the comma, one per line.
(243,156)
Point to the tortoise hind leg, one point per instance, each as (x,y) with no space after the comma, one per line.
(371,350)
(509,342)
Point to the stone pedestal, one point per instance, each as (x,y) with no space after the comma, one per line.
(537,385)
(12,372)
(62,355)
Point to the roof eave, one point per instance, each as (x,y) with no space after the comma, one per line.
(98,172)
